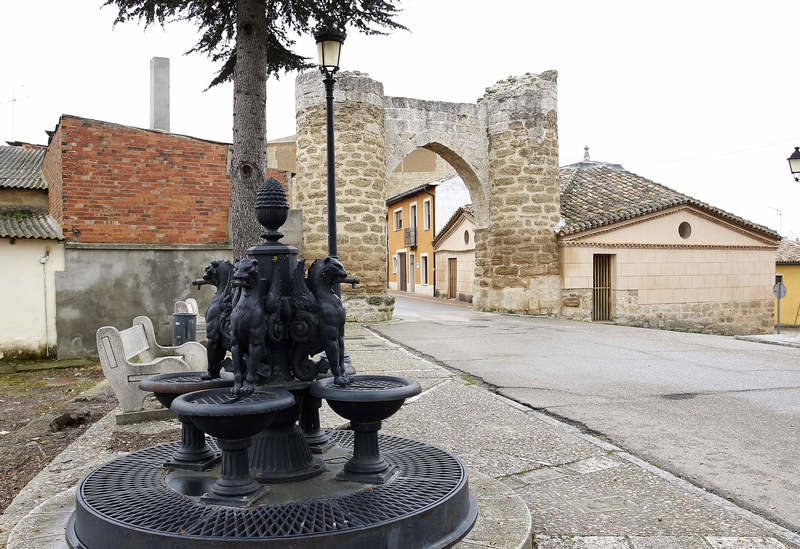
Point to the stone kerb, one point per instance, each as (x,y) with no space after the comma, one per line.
(360,183)
(517,264)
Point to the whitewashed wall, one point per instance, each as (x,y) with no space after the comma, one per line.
(28,296)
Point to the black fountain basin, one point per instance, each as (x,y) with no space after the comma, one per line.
(167,387)
(193,454)
(233,420)
(369,398)
(218,413)
(366,402)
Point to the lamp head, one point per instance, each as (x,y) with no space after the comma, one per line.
(329,48)
(794,163)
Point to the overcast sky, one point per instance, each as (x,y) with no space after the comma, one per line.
(699,96)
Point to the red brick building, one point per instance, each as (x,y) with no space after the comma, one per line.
(143,212)
(115,183)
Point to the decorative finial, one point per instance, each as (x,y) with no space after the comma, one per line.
(271,208)
(586,154)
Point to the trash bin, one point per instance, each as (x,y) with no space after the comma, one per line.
(184,328)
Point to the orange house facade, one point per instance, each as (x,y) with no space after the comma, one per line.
(410,226)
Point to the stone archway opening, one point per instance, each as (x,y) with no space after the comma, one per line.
(430,190)
(504,147)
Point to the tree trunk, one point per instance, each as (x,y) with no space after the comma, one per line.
(249,164)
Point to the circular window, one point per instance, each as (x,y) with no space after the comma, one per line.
(466,237)
(685,230)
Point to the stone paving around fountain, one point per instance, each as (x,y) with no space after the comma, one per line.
(539,482)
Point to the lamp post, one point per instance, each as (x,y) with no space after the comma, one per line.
(794,163)
(329,49)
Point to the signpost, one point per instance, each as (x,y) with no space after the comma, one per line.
(779,291)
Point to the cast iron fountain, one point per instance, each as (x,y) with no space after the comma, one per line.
(271,477)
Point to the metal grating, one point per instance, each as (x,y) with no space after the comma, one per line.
(130,490)
(601,287)
(193,377)
(367,383)
(225,397)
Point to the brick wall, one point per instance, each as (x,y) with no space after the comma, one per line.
(51,167)
(123,184)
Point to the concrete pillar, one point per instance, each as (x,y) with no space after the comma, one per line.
(159,93)
(517,264)
(360,184)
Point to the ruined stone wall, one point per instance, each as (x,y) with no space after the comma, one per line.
(360,184)
(505,149)
(517,260)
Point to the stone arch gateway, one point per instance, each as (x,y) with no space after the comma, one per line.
(504,147)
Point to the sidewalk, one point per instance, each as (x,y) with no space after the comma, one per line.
(787,338)
(580,492)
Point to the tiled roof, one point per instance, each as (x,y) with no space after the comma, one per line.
(21,168)
(24,223)
(466,209)
(595,194)
(788,252)
(410,192)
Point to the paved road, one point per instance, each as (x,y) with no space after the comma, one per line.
(722,413)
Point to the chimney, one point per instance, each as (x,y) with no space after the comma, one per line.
(159,93)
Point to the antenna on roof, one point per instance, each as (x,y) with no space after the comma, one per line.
(780,217)
(586,154)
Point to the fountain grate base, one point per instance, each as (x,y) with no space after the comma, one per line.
(425,504)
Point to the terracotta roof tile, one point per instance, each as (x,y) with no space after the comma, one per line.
(788,252)
(24,223)
(21,168)
(595,194)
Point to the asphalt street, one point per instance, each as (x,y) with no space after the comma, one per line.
(719,412)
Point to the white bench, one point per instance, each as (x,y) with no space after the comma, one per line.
(190,306)
(131,355)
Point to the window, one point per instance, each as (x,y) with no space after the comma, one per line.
(398,219)
(412,215)
(424,274)
(466,237)
(426,214)
(685,230)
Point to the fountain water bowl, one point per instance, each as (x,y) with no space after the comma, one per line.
(193,454)
(366,402)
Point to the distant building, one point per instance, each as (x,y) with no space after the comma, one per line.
(31,251)
(454,253)
(410,231)
(787,263)
(638,253)
(130,216)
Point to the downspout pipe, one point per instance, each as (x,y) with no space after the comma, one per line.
(43,261)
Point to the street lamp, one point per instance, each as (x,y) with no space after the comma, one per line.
(329,49)
(794,163)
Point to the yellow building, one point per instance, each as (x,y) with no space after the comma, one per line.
(787,263)
(410,226)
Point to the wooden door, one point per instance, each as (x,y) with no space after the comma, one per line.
(451,277)
(401,259)
(601,287)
